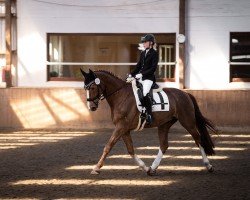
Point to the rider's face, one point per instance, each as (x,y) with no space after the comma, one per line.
(146,44)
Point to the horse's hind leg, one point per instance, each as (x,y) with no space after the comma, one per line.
(206,162)
(163,139)
(129,144)
(191,128)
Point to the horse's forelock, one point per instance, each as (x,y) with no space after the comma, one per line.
(89,77)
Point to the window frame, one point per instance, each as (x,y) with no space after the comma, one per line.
(232,63)
(170,63)
(49,63)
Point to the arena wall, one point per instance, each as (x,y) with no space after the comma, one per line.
(60,108)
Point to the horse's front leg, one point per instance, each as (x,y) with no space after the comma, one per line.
(117,133)
(129,144)
(163,139)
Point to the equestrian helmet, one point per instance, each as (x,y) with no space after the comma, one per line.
(148,37)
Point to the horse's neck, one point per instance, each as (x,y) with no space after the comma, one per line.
(112,84)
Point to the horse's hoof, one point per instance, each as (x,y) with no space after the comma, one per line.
(151,172)
(210,169)
(94,172)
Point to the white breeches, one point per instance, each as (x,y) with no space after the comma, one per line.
(147,84)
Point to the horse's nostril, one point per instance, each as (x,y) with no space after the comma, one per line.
(93,108)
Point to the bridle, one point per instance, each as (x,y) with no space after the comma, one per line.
(101,93)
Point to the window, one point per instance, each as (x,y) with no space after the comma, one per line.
(2,34)
(166,72)
(240,57)
(117,53)
(13,34)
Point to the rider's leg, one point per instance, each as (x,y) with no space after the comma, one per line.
(147,84)
(148,104)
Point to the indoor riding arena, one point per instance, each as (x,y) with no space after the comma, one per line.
(56,162)
(57,165)
(51,143)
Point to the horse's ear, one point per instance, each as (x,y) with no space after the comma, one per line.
(92,73)
(83,72)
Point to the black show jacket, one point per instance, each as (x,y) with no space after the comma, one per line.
(147,65)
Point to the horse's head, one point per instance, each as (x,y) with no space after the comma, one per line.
(92,85)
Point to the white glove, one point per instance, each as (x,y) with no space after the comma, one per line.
(138,76)
(129,79)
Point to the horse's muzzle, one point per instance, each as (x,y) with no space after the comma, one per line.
(93,108)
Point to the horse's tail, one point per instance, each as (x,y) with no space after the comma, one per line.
(202,124)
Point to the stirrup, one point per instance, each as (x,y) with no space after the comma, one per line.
(143,115)
(149,119)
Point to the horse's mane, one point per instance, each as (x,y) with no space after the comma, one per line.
(109,73)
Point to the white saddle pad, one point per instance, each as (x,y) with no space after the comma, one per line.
(159,106)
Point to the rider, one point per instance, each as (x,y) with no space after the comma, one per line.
(145,70)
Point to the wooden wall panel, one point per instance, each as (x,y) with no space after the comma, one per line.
(66,108)
(50,108)
(225,107)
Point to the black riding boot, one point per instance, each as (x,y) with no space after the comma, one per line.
(148,106)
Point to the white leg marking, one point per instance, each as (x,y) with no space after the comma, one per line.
(95,170)
(204,158)
(140,163)
(88,101)
(157,160)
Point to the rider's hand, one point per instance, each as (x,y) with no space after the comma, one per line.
(129,79)
(138,76)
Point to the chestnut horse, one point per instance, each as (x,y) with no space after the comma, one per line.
(125,116)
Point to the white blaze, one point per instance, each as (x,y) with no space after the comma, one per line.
(88,104)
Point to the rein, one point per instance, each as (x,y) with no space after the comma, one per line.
(115,91)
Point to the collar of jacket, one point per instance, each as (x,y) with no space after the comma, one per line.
(149,51)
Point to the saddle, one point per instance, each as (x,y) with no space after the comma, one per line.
(157,96)
(155,88)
